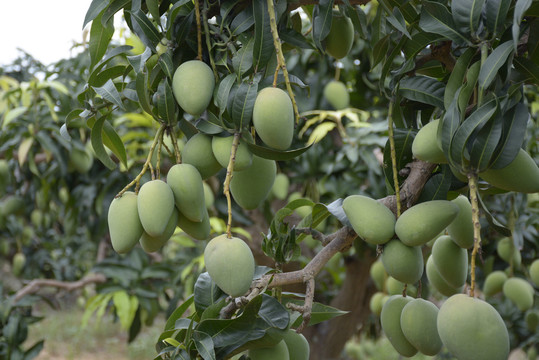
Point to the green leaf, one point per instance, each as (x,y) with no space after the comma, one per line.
(495,224)
(166,104)
(112,140)
(243,21)
(397,20)
(142,92)
(113,8)
(166,64)
(12,114)
(423,89)
(403,150)
(493,63)
(418,42)
(496,13)
(520,8)
(110,93)
(273,313)
(206,292)
(456,79)
(359,19)
(380,49)
(449,125)
(272,154)
(243,103)
(138,61)
(468,89)
(204,345)
(528,68)
(263,40)
(178,313)
(99,79)
(153,8)
(96,137)
(100,37)
(242,61)
(485,143)
(436,18)
(320,313)
(96,7)
(223,91)
(126,307)
(145,30)
(466,15)
(437,187)
(322,17)
(50,144)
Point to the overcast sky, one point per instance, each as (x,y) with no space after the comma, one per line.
(46,29)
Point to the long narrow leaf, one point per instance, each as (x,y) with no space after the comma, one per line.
(493,63)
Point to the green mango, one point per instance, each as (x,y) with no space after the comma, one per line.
(424,221)
(508,252)
(19,260)
(155,205)
(396,287)
(188,189)
(418,324)
(472,329)
(337,95)
(199,230)
(5,176)
(151,244)
(36,217)
(534,272)
(277,352)
(403,262)
(376,302)
(450,260)
(521,175)
(370,219)
(12,205)
(251,187)
(209,198)
(230,264)
(273,118)
(125,227)
(198,152)
(532,319)
(81,160)
(298,347)
(520,292)
(494,282)
(437,281)
(192,85)
(340,38)
(378,274)
(221,147)
(461,229)
(425,145)
(390,319)
(280,186)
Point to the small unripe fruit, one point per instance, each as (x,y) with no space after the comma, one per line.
(81,160)
(251,186)
(192,85)
(198,152)
(521,175)
(520,292)
(221,147)
(424,221)
(153,243)
(450,260)
(280,186)
(125,227)
(277,352)
(396,287)
(377,302)
(340,38)
(19,260)
(425,145)
(370,219)
(186,184)
(273,118)
(403,262)
(508,252)
(472,329)
(532,319)
(390,319)
(494,282)
(418,324)
(461,229)
(438,282)
(199,230)
(534,272)
(298,347)
(230,264)
(155,205)
(209,198)
(378,274)
(336,94)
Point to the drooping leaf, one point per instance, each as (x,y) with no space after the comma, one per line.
(528,68)
(423,89)
(397,20)
(485,143)
(466,15)
(403,139)
(110,93)
(243,21)
(243,103)
(359,20)
(322,18)
(206,292)
(520,8)
(100,37)
(113,8)
(99,79)
(96,7)
(145,30)
(320,313)
(467,89)
(436,18)
(456,78)
(96,137)
(112,140)
(496,225)
(278,155)
(496,13)
(204,345)
(242,61)
(138,61)
(178,313)
(263,39)
(437,187)
(223,90)
(493,63)
(166,104)
(142,91)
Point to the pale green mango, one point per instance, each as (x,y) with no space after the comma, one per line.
(273,118)
(423,222)
(199,230)
(337,95)
(418,324)
(340,38)
(19,260)
(461,229)
(508,252)
(390,319)
(378,274)
(370,219)
(472,329)
(280,186)
(277,352)
(188,189)
(534,272)
(155,205)
(425,145)
(520,292)
(450,260)
(209,198)
(198,152)
(438,282)
(153,243)
(402,262)
(125,227)
(230,264)
(298,347)
(376,302)
(192,85)
(221,147)
(532,319)
(521,175)
(494,282)
(81,160)
(251,186)
(396,287)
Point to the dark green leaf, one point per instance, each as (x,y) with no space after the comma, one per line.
(322,17)
(359,19)
(496,13)
(274,313)
(166,104)
(142,92)
(493,63)
(178,313)
(34,350)
(468,89)
(456,79)
(204,345)
(520,8)
(449,124)
(436,18)
(293,38)
(528,68)
(263,44)
(51,146)
(485,143)
(406,7)
(320,313)
(223,90)
(243,103)
(437,187)
(113,8)
(423,89)
(99,79)
(145,30)
(109,93)
(272,154)
(243,21)
(153,8)
(113,141)
(138,61)
(419,42)
(403,150)
(96,7)
(97,143)
(100,37)
(380,49)
(496,225)
(206,292)
(466,15)
(242,61)
(397,20)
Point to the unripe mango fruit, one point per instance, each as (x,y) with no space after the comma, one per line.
(276,352)
(81,160)
(534,272)
(508,252)
(461,229)
(221,147)
(155,205)
(340,38)
(273,118)
(370,219)
(494,282)
(403,262)
(153,243)
(472,329)
(419,326)
(198,152)
(125,227)
(521,175)
(19,260)
(251,186)
(188,189)
(199,230)
(209,198)
(378,274)
(377,302)
(396,287)
(425,145)
(438,282)
(450,260)
(298,347)
(280,186)
(230,264)
(520,292)
(192,85)
(336,94)
(532,319)
(422,222)
(390,319)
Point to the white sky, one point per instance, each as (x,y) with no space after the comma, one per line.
(46,29)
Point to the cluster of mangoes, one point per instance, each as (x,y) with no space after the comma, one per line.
(293,346)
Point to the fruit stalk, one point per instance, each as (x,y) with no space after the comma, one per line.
(199,30)
(226,190)
(208,42)
(472,183)
(281,63)
(177,153)
(393,157)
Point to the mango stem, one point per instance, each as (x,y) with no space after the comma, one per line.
(472,184)
(199,29)
(228,178)
(393,157)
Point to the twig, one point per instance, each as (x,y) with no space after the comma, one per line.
(177,153)
(208,42)
(472,183)
(307,307)
(199,30)
(226,186)
(393,158)
(317,235)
